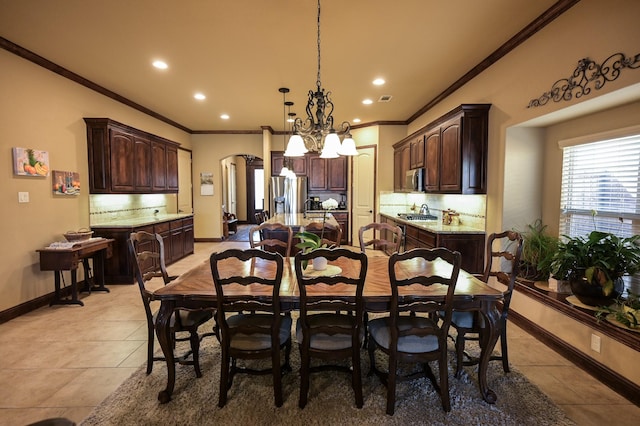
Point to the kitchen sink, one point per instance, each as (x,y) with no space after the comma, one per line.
(416,216)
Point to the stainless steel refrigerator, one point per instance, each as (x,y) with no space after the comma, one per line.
(288,195)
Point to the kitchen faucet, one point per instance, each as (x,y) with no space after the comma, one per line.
(305,206)
(424,209)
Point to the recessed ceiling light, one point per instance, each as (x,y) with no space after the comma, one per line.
(161,65)
(356,120)
(367,102)
(200,96)
(225,116)
(379,81)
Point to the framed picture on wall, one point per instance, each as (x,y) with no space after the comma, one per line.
(30,162)
(65,183)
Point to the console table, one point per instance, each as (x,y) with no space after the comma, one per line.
(68,258)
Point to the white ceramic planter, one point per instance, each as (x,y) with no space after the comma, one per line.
(320,263)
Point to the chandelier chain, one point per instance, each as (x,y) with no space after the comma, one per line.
(318,83)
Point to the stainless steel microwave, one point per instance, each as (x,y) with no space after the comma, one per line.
(414,180)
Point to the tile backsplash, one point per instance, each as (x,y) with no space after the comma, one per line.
(105,208)
(472,208)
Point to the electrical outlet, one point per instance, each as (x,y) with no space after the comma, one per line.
(23,197)
(595,343)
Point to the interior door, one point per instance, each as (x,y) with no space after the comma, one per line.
(363,195)
(232,189)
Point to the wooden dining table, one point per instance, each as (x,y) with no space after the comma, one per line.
(195,290)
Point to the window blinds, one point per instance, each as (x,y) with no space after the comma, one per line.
(601,177)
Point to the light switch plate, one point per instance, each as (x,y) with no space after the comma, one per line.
(595,343)
(23,197)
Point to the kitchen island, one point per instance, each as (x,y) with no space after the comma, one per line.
(297,222)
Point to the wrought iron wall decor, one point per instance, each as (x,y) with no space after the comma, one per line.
(588,75)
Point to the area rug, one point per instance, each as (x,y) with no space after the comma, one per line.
(331,400)
(242,234)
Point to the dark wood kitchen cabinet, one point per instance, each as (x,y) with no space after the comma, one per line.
(327,174)
(470,246)
(417,152)
(401,164)
(455,152)
(124,160)
(343,220)
(177,237)
(297,164)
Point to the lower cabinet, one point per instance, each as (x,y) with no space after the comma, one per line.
(470,246)
(343,221)
(177,237)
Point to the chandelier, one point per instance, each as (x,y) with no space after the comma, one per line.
(316,133)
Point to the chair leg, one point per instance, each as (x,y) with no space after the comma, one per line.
(356,380)
(304,377)
(371,346)
(150,337)
(459,353)
(277,376)
(503,348)
(444,382)
(391,384)
(195,349)
(224,376)
(365,323)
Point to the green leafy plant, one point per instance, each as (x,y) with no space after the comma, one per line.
(601,258)
(625,311)
(538,250)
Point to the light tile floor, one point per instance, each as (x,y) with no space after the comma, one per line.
(62,361)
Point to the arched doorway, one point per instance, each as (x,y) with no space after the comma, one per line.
(242,190)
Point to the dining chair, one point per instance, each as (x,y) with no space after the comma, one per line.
(251,326)
(502,261)
(418,338)
(381,243)
(274,237)
(332,235)
(330,325)
(148,253)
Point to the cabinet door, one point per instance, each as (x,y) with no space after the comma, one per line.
(432,161)
(417,152)
(142,165)
(172,168)
(297,164)
(343,221)
(397,170)
(337,174)
(188,236)
(98,151)
(159,166)
(402,164)
(277,161)
(471,247)
(121,154)
(317,173)
(451,157)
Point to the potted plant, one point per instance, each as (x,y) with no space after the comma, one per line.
(538,249)
(625,312)
(594,265)
(310,241)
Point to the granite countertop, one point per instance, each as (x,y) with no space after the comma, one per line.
(436,226)
(141,221)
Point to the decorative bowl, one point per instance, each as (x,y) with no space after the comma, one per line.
(76,236)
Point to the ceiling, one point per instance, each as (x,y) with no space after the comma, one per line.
(239,53)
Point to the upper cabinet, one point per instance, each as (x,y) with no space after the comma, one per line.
(125,160)
(401,163)
(297,164)
(327,174)
(324,174)
(454,152)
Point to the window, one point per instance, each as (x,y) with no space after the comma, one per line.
(602,176)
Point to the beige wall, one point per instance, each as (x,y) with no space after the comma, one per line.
(41,110)
(208,151)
